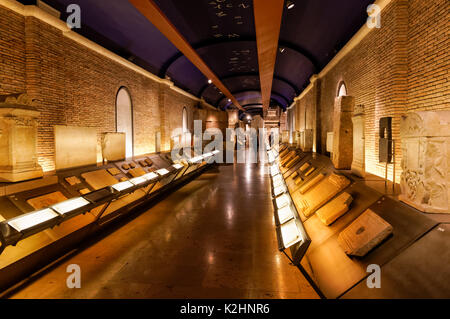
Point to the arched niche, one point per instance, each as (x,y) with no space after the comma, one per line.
(124,118)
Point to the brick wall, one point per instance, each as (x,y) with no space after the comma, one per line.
(400,67)
(74,85)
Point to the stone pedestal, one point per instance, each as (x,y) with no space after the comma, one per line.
(358,163)
(425,179)
(18,138)
(343,132)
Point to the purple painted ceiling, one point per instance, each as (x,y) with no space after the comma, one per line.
(223,33)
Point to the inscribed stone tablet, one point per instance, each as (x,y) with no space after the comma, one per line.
(46,200)
(365,233)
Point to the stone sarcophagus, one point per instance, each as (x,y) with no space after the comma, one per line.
(425,178)
(18,139)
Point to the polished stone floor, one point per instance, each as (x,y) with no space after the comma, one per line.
(213,238)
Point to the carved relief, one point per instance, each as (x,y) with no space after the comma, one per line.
(425,163)
(18,136)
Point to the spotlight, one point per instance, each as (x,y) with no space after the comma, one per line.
(290,5)
(209,81)
(229,100)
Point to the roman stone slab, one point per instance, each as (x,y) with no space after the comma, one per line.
(113,146)
(318,196)
(313,182)
(334,209)
(18,138)
(343,132)
(99,179)
(364,234)
(75,146)
(425,178)
(46,200)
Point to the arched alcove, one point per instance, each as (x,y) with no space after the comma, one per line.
(124,117)
(342,89)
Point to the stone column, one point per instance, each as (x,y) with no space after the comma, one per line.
(358,163)
(343,132)
(425,178)
(18,136)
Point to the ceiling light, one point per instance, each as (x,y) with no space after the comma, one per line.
(209,81)
(290,5)
(229,100)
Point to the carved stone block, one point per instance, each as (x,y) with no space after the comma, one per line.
(334,209)
(75,146)
(113,171)
(46,200)
(99,179)
(425,179)
(318,196)
(18,136)
(136,172)
(313,182)
(364,234)
(113,146)
(343,132)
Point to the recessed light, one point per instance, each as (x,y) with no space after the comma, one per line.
(290,5)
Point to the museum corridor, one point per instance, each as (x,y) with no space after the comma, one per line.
(212,238)
(125,127)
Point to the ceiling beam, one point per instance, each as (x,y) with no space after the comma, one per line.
(268,14)
(154,14)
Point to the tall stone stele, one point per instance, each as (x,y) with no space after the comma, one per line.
(18,136)
(425,179)
(342,155)
(358,163)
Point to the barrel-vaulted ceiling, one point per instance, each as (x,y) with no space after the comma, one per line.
(223,33)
